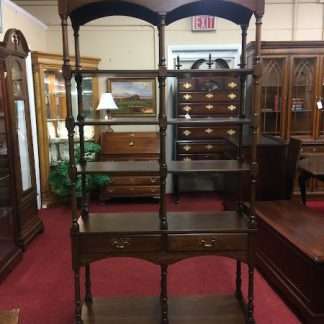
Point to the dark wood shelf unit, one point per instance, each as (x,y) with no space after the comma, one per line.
(164,237)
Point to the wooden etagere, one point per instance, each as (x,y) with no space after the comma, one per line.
(163,237)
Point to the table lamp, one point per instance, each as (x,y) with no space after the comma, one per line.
(108,104)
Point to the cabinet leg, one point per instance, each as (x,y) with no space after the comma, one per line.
(78,307)
(250,305)
(238,290)
(164,294)
(88,294)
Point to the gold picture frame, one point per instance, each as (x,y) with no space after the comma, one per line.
(135,97)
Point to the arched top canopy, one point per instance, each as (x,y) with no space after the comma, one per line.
(84,11)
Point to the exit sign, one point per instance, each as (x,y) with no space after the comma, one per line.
(203,23)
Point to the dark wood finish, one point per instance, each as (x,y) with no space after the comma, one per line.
(290,253)
(133,146)
(291,87)
(199,97)
(10,254)
(293,154)
(146,310)
(310,167)
(28,223)
(271,157)
(167,237)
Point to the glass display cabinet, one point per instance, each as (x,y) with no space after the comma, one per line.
(10,254)
(50,103)
(27,222)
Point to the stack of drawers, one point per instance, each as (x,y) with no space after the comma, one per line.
(130,146)
(199,97)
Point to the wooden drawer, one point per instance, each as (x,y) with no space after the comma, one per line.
(129,180)
(207,132)
(129,190)
(132,143)
(119,244)
(206,96)
(200,147)
(192,157)
(218,243)
(312,149)
(208,109)
(204,83)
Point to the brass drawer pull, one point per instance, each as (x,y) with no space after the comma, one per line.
(131,140)
(187,148)
(232,96)
(186,108)
(111,190)
(207,244)
(209,95)
(187,96)
(120,243)
(232,85)
(209,107)
(209,147)
(208,130)
(186,132)
(186,159)
(231,132)
(187,85)
(153,180)
(231,107)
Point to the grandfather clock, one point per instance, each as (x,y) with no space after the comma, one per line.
(14,51)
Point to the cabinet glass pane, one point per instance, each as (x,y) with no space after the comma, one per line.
(56,112)
(321,102)
(302,96)
(17,79)
(5,189)
(271,96)
(23,145)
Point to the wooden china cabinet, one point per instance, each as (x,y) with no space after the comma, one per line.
(51,111)
(163,237)
(28,224)
(292,95)
(10,254)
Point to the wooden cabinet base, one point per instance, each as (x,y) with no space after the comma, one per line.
(146,310)
(7,264)
(290,249)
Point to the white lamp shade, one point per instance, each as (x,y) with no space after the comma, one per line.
(107,102)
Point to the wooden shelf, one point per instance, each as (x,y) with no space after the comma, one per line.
(146,310)
(179,223)
(152,167)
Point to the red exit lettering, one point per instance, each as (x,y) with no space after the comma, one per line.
(203,23)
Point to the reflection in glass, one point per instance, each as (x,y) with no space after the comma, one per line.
(23,144)
(271,102)
(17,79)
(302,94)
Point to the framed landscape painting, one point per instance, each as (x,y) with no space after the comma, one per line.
(134,97)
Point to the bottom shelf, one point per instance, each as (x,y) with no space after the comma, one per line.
(146,310)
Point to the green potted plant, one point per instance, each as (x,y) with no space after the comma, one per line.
(60,180)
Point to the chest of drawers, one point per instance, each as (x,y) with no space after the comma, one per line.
(129,146)
(200,97)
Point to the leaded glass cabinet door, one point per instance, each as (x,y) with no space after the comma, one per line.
(27,221)
(273,97)
(302,99)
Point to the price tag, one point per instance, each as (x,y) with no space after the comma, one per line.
(319,104)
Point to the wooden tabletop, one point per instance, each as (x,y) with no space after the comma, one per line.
(313,165)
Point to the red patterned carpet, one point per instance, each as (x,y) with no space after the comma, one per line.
(41,286)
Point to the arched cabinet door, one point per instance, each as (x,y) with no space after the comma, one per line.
(28,224)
